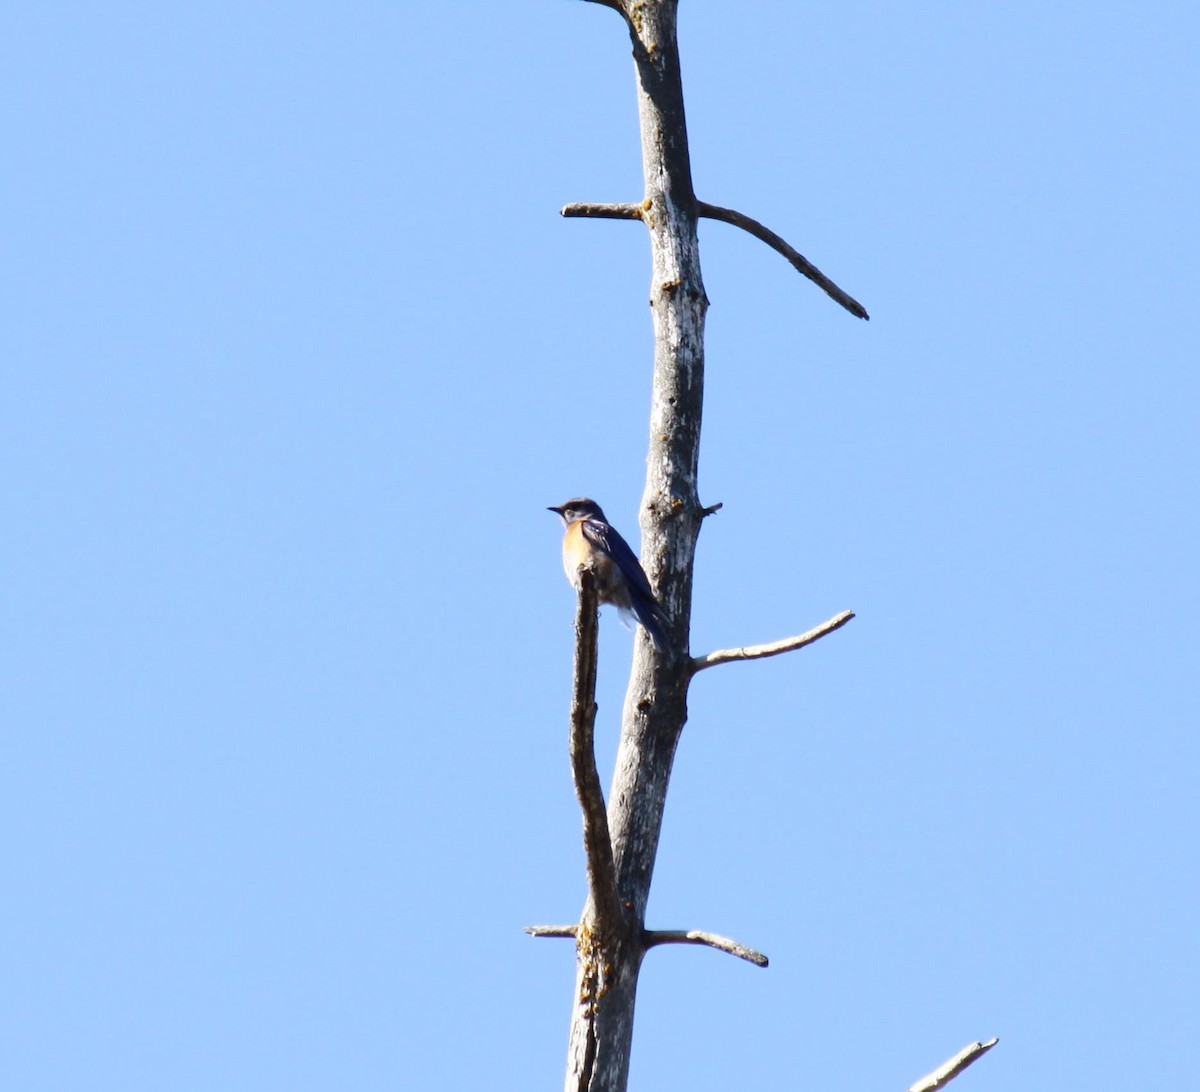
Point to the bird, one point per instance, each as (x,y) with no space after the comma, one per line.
(591,542)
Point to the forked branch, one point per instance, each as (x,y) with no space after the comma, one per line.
(775,242)
(947,1071)
(654,937)
(775,648)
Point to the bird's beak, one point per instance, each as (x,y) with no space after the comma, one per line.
(551,508)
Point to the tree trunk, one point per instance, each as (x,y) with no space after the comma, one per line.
(621,841)
(656,702)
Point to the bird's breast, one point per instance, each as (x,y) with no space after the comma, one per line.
(580,553)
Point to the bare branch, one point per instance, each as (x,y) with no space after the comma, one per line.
(758,652)
(798,260)
(706,512)
(597,843)
(654,937)
(552,930)
(604,210)
(946,1072)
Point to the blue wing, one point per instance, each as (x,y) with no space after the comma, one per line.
(645,607)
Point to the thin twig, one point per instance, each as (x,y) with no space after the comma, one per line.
(946,1072)
(706,512)
(604,210)
(654,937)
(798,260)
(758,652)
(597,842)
(552,930)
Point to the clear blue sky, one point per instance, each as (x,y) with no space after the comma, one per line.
(298,350)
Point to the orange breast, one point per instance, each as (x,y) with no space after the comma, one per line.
(579,553)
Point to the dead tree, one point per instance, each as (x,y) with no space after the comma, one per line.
(621,840)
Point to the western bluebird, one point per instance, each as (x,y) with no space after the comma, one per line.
(591,542)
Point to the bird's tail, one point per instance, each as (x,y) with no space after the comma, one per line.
(653,618)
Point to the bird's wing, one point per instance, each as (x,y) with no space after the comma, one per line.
(611,542)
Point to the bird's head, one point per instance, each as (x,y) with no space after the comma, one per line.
(579,508)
